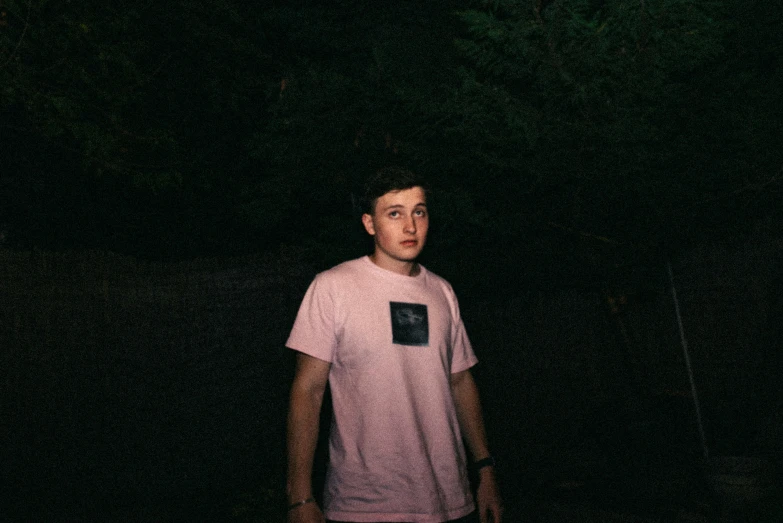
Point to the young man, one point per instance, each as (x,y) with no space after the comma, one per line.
(387,336)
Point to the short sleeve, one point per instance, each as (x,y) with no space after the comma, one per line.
(462,355)
(313,332)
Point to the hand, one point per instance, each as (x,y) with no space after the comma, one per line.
(490,505)
(307,513)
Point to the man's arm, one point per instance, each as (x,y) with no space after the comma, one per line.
(471,422)
(307,392)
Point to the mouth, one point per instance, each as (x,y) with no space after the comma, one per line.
(409,243)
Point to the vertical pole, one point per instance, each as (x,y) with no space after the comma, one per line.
(684,342)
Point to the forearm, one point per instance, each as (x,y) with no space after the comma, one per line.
(302,438)
(471,422)
(469,415)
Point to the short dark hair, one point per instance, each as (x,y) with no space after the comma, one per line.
(386,180)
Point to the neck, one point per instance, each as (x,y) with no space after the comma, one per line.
(406,268)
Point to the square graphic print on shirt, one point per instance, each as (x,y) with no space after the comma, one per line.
(410,325)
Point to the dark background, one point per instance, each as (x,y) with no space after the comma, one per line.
(168,171)
(609,131)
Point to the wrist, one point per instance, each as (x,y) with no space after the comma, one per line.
(297,490)
(300,502)
(293,496)
(484,464)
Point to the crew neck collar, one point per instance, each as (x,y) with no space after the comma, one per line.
(395,275)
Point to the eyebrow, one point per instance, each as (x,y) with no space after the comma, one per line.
(401,206)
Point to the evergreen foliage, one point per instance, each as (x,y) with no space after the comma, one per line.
(621,112)
(181,129)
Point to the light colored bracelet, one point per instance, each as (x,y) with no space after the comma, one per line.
(298,504)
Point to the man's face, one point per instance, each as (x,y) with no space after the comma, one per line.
(399,224)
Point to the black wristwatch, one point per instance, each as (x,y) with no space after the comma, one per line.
(489,461)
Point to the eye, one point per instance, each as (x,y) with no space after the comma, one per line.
(420,212)
(394,214)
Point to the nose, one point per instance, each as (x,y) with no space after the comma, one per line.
(410,225)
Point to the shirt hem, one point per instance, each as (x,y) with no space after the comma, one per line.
(371,517)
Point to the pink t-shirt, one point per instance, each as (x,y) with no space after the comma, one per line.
(395,450)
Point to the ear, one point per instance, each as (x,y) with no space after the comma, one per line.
(368,225)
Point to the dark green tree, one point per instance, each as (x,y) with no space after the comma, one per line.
(143,114)
(634,123)
(181,129)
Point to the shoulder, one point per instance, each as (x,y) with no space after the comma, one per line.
(340,274)
(438,281)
